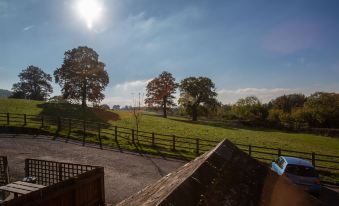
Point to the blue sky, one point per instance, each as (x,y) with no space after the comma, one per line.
(264,48)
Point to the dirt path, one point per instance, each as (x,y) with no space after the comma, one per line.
(125,172)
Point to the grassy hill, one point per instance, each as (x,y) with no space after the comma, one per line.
(32,107)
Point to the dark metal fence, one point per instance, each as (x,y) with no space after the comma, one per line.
(4,176)
(129,138)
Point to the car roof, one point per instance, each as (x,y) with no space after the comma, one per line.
(297,161)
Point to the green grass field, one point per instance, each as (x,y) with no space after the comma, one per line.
(179,126)
(182,127)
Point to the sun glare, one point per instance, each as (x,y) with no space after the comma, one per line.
(89,10)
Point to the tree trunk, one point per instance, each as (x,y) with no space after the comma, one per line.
(194,113)
(165,108)
(84,93)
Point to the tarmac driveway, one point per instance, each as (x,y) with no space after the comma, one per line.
(125,172)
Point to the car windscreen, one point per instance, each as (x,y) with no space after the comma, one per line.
(301,170)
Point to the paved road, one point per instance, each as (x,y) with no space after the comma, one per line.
(330,195)
(125,172)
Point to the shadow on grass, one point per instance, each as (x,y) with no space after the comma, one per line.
(74,111)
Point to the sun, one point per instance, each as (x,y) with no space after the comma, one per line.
(89,10)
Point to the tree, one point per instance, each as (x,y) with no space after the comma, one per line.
(116,107)
(82,76)
(57,99)
(249,108)
(288,102)
(160,91)
(34,84)
(322,109)
(195,91)
(104,107)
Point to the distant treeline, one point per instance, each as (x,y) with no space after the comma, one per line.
(319,110)
(5,93)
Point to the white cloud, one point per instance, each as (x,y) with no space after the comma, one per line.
(126,93)
(28,27)
(132,86)
(264,94)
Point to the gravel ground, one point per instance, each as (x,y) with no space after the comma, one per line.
(125,172)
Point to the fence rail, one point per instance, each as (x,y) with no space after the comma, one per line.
(129,138)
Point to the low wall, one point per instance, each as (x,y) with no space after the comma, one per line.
(224,176)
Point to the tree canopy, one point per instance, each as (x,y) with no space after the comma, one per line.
(34,84)
(82,76)
(160,91)
(322,109)
(195,91)
(249,108)
(287,102)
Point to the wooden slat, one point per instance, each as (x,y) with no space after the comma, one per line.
(14,190)
(29,184)
(22,187)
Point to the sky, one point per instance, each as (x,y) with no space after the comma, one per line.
(265,48)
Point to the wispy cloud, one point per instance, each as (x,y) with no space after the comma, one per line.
(126,93)
(293,36)
(28,27)
(264,94)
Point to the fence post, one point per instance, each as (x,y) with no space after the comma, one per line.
(25,120)
(116,133)
(197,146)
(26,168)
(7,118)
(83,138)
(173,143)
(250,150)
(99,135)
(42,121)
(5,162)
(153,139)
(60,172)
(133,136)
(58,125)
(313,159)
(279,152)
(69,127)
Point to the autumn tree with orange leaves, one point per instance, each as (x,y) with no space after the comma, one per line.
(160,92)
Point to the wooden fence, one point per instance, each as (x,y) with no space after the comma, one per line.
(105,134)
(50,172)
(67,184)
(4,178)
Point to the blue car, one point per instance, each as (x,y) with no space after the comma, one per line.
(299,171)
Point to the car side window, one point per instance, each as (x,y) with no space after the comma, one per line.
(280,162)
